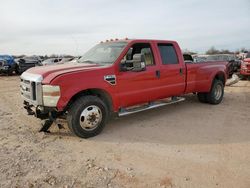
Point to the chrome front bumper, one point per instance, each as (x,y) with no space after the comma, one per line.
(31,88)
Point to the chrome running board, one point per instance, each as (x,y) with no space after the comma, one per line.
(151,105)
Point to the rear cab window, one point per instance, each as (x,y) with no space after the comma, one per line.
(188,58)
(168,54)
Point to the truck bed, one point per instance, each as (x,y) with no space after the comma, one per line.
(198,77)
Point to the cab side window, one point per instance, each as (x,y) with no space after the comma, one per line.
(141,48)
(168,54)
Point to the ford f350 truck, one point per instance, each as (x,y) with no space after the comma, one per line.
(121,77)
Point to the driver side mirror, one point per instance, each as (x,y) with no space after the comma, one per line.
(137,64)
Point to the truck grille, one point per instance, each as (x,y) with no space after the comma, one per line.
(28,89)
(31,88)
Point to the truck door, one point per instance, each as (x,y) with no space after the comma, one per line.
(172,69)
(138,87)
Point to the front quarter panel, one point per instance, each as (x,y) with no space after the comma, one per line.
(76,82)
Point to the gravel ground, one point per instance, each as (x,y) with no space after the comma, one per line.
(182,145)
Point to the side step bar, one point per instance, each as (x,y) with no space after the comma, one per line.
(150,105)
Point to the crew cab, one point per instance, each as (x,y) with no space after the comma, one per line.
(121,77)
(245,67)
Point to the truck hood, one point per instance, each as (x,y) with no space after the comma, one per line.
(56,70)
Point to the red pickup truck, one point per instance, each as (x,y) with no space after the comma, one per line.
(118,76)
(245,67)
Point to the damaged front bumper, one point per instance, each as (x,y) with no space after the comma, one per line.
(48,114)
(41,112)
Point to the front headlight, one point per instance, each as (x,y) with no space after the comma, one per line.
(51,95)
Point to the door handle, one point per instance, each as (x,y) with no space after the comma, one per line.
(181,71)
(158,74)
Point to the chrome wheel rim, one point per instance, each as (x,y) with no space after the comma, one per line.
(90,117)
(218,92)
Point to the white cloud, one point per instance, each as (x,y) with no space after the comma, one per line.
(61,26)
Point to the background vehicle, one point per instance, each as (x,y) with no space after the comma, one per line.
(7,64)
(122,77)
(53,61)
(75,60)
(25,63)
(245,67)
(234,62)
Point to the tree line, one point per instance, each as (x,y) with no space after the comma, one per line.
(213,51)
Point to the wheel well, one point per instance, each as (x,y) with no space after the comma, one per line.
(220,76)
(103,95)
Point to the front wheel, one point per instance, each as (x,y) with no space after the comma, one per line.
(87,116)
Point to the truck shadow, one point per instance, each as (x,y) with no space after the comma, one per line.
(189,122)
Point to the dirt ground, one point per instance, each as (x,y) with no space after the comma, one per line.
(188,144)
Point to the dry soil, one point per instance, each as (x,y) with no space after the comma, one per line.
(189,144)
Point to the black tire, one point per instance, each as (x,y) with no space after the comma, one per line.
(202,97)
(216,93)
(17,70)
(10,72)
(74,116)
(242,77)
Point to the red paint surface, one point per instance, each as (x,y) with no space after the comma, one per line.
(133,87)
(245,70)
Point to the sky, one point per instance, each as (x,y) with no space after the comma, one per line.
(73,26)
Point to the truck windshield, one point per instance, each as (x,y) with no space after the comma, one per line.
(103,53)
